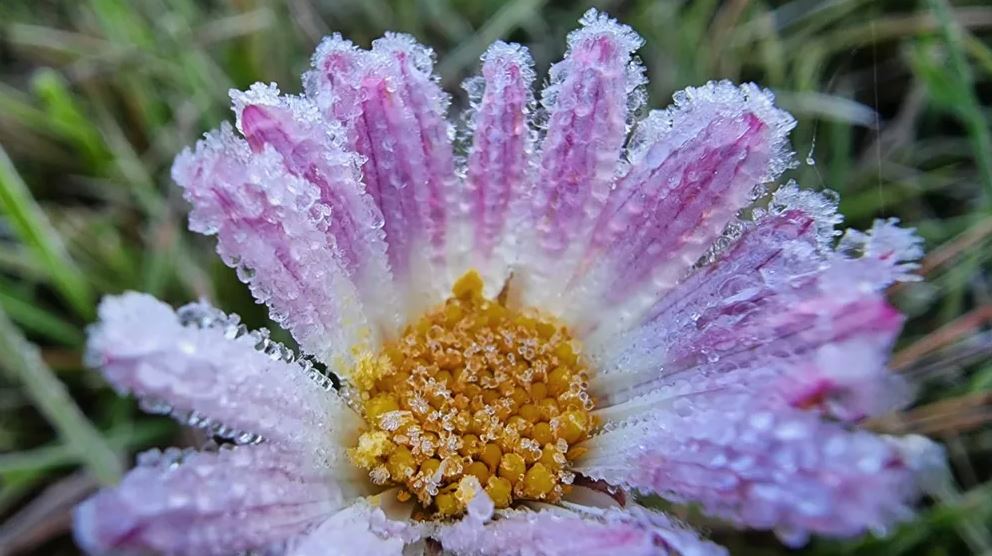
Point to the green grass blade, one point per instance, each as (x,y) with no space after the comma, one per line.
(54,456)
(63,107)
(33,317)
(22,361)
(33,228)
(968,108)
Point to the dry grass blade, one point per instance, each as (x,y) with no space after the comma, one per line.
(949,417)
(46,516)
(962,327)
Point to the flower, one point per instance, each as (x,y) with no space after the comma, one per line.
(519,338)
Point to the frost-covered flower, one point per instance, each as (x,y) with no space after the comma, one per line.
(580,306)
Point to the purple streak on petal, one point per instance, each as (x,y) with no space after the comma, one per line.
(587,104)
(762,467)
(695,165)
(358,529)
(312,149)
(555,532)
(202,365)
(270,226)
(397,122)
(202,504)
(499,162)
(426,103)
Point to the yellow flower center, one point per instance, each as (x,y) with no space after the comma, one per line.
(474,390)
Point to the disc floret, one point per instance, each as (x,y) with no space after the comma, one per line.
(474,389)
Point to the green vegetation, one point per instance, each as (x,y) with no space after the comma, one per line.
(97,96)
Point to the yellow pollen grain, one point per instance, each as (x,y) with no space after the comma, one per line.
(369,369)
(473,395)
(372,445)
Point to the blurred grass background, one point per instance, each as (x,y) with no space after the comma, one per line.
(97,96)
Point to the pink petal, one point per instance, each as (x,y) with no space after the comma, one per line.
(397,122)
(632,531)
(312,150)
(693,167)
(588,106)
(761,262)
(771,295)
(499,174)
(271,226)
(765,466)
(846,380)
(878,258)
(203,367)
(358,529)
(200,504)
(781,327)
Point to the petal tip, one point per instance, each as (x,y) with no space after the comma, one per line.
(727,97)
(819,206)
(266,94)
(333,49)
(507,56)
(599,25)
(405,49)
(98,527)
(84,528)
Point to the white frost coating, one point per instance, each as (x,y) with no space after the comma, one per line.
(306,117)
(512,53)
(208,503)
(555,531)
(303,109)
(595,22)
(330,45)
(429,103)
(874,260)
(393,111)
(820,205)
(263,94)
(401,44)
(763,467)
(694,107)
